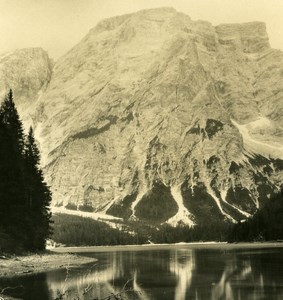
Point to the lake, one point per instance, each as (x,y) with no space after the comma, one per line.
(167,272)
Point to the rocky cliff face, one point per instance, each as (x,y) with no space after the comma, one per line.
(161,118)
(28,72)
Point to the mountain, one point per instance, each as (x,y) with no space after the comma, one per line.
(28,72)
(156,117)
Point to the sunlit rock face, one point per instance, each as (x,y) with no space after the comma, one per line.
(156,117)
(27,72)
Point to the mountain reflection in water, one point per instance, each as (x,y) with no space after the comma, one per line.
(178,273)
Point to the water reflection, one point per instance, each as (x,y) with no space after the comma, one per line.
(179,274)
(182,264)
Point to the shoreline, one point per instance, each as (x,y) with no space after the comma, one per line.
(37,263)
(196,245)
(67,257)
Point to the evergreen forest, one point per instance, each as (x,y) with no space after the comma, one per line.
(265,225)
(25,219)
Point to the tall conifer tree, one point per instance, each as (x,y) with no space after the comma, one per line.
(38,194)
(24,196)
(5,174)
(13,198)
(12,121)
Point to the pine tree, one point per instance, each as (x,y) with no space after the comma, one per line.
(11,119)
(5,169)
(24,196)
(38,195)
(12,192)
(6,186)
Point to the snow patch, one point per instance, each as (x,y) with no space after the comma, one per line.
(261,123)
(104,210)
(217,201)
(92,215)
(253,145)
(183,214)
(135,203)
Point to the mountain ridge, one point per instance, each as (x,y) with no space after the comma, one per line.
(153,107)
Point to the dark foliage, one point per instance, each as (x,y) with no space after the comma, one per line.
(86,208)
(79,231)
(24,196)
(265,225)
(240,197)
(215,231)
(71,206)
(38,195)
(157,205)
(123,209)
(12,191)
(200,203)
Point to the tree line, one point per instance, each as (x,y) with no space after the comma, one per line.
(73,230)
(265,225)
(24,196)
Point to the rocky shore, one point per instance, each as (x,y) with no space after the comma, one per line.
(35,263)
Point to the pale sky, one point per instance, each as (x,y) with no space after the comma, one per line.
(57,25)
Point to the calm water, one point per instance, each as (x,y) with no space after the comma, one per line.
(173,273)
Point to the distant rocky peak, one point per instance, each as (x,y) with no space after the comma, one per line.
(250,37)
(25,71)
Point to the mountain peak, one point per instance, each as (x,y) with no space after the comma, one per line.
(25,71)
(157,11)
(114,22)
(251,37)
(158,117)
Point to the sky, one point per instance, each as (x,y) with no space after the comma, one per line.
(57,25)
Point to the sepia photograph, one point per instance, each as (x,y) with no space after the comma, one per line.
(141,149)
